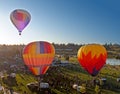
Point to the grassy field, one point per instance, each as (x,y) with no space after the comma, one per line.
(62,78)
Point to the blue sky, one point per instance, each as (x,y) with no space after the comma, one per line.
(63,21)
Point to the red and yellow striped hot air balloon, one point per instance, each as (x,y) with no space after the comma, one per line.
(92,58)
(38,56)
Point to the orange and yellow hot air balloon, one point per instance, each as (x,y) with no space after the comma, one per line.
(38,56)
(92,58)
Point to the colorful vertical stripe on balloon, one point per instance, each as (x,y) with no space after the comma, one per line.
(45,47)
(42,47)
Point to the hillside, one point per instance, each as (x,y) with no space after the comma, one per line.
(60,78)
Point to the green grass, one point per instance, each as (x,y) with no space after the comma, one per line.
(70,74)
(22,81)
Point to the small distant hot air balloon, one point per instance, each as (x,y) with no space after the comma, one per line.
(20,19)
(38,56)
(92,58)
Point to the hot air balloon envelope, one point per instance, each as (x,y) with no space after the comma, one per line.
(38,56)
(92,57)
(20,18)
